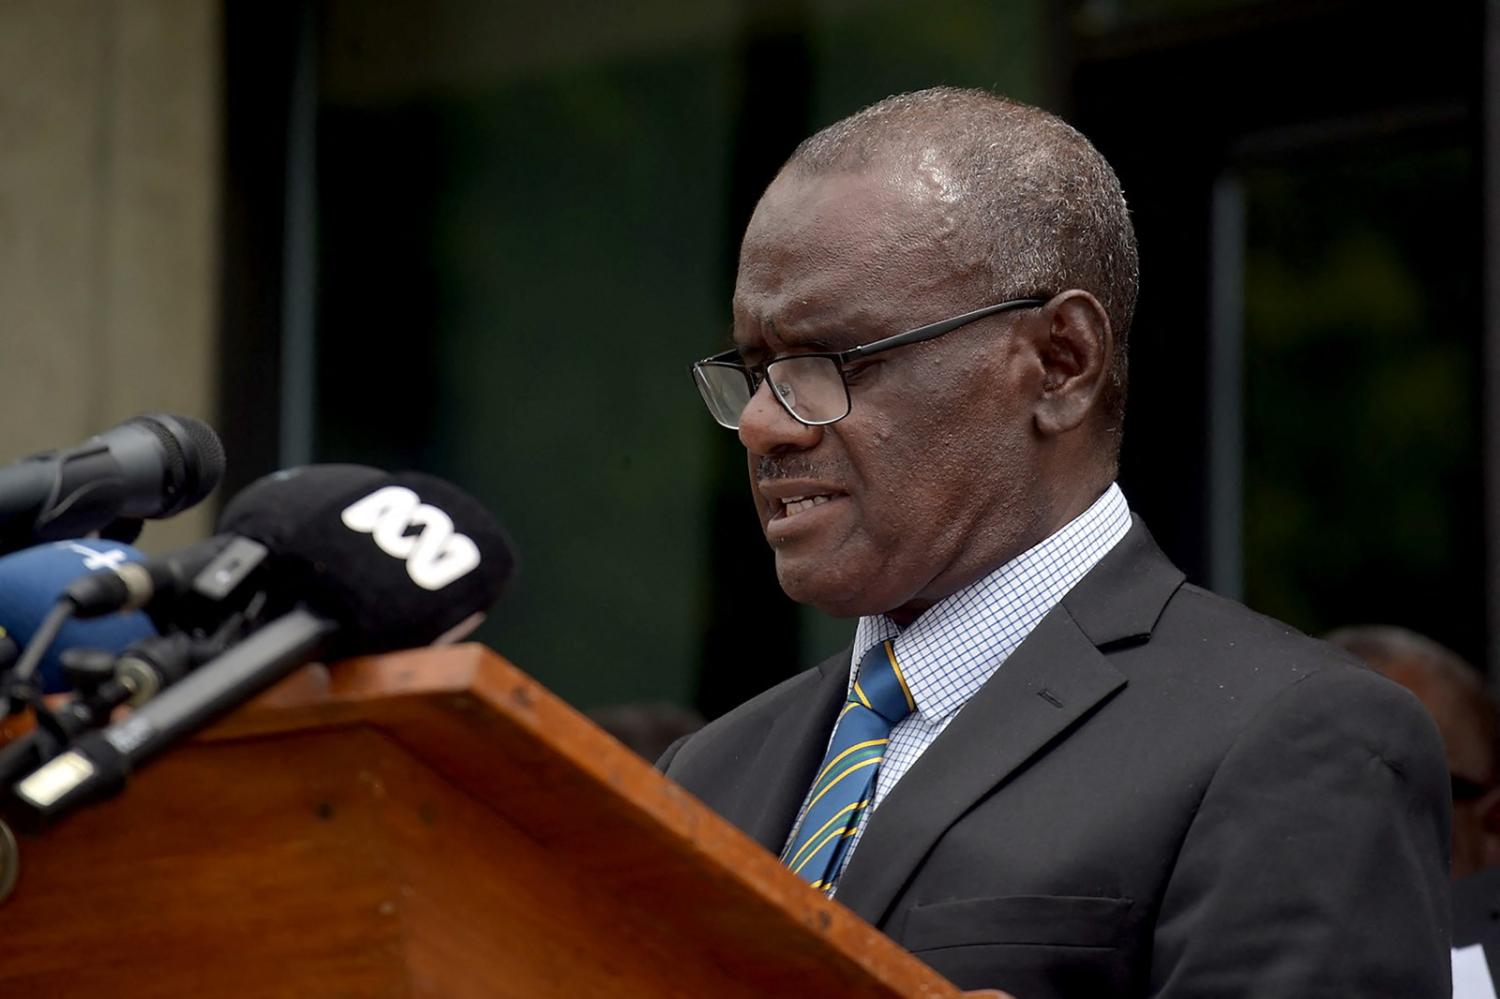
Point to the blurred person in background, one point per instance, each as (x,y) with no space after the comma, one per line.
(1454,693)
(647,728)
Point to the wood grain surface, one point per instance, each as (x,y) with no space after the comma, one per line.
(432,823)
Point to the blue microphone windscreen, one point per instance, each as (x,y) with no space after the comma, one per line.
(32,580)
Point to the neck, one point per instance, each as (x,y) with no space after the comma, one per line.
(1068,505)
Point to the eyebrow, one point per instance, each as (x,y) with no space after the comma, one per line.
(819,342)
(812,344)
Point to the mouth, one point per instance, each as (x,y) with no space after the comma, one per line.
(792,506)
(800,510)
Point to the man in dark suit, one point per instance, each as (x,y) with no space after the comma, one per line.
(1047,765)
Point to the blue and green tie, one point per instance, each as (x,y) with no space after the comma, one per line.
(845,783)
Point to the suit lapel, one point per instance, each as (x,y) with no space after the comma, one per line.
(1050,683)
(778,778)
(1122,597)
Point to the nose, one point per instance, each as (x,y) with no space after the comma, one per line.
(767,428)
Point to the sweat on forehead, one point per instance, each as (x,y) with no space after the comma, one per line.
(956,143)
(822,252)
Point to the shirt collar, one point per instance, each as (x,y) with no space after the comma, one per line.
(949,651)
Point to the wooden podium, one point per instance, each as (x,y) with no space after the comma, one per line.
(431,823)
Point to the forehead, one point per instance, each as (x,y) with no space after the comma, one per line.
(853,250)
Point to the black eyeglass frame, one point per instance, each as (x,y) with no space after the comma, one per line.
(755,374)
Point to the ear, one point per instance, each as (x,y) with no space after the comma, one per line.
(1075,350)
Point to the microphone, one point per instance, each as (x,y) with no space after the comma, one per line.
(151,466)
(31,584)
(134,585)
(33,581)
(398,560)
(196,587)
(361,560)
(271,520)
(104,681)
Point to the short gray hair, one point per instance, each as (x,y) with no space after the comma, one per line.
(1044,210)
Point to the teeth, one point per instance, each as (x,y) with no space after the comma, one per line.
(797,504)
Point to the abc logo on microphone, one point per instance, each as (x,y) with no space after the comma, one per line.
(435,556)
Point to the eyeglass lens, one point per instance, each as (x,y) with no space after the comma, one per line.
(811,388)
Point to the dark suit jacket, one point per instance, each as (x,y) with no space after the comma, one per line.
(1160,793)
(1476,915)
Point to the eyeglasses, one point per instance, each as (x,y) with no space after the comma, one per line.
(812,387)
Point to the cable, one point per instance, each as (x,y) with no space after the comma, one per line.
(16,688)
(42,639)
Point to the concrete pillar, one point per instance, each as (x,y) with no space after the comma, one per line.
(109,139)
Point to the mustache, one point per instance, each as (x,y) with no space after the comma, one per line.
(790,466)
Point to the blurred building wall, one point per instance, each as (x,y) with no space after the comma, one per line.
(109,138)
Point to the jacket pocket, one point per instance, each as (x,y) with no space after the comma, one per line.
(1045,920)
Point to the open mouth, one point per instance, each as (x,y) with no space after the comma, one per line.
(793,505)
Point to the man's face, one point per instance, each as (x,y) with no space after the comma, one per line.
(931,480)
(1471,761)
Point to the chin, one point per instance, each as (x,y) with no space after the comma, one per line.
(832,592)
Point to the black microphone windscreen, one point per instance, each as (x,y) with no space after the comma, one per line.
(397,560)
(195,457)
(271,508)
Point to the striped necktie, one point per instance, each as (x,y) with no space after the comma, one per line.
(845,783)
